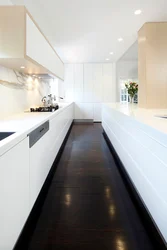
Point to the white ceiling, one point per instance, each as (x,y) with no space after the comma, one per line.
(87,30)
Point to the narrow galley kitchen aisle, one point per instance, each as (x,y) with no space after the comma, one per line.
(88,206)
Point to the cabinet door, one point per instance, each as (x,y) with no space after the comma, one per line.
(78,83)
(41,160)
(97,110)
(88,83)
(83,110)
(88,110)
(14,193)
(97,83)
(44,151)
(38,49)
(79,110)
(69,82)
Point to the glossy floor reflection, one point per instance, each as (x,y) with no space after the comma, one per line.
(88,206)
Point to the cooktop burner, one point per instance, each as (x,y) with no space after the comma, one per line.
(44,109)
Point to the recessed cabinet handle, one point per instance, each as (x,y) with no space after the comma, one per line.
(41,130)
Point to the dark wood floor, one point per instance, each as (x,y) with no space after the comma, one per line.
(88,206)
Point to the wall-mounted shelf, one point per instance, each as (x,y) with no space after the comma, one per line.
(22,44)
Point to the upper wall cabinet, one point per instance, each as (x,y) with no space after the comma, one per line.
(22,44)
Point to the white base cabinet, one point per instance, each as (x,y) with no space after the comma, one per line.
(14,193)
(42,154)
(23,171)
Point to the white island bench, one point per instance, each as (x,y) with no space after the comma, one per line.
(140,141)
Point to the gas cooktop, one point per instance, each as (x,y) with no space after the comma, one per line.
(44,109)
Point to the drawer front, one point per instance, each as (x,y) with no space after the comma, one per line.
(35,135)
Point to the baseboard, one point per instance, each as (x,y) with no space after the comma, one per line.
(83,121)
(146,218)
(27,232)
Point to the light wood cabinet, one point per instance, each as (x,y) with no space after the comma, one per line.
(152,40)
(23,44)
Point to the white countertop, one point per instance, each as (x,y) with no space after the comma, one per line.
(146,116)
(22,124)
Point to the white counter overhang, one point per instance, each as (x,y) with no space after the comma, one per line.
(24,123)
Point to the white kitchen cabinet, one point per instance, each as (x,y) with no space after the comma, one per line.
(88,94)
(78,82)
(97,112)
(23,44)
(69,82)
(79,110)
(88,110)
(93,83)
(44,151)
(97,83)
(84,111)
(39,49)
(90,85)
(14,193)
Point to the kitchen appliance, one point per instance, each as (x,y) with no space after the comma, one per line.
(45,109)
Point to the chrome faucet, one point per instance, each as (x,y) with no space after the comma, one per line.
(49,100)
(44,100)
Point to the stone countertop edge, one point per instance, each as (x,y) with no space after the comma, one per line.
(35,120)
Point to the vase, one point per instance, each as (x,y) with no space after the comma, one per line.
(131,98)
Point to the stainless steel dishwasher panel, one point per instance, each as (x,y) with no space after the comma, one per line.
(36,134)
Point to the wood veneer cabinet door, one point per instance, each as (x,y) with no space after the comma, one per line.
(152,42)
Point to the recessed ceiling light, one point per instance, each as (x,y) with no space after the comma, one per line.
(120,39)
(22,67)
(111,53)
(138,12)
(107,59)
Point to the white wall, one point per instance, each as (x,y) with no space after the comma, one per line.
(19,94)
(89,85)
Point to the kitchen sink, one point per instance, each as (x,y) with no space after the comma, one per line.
(3,135)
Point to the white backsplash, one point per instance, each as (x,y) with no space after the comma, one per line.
(19,92)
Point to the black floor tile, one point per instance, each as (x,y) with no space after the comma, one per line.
(88,205)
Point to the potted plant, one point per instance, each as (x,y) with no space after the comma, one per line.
(132,88)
